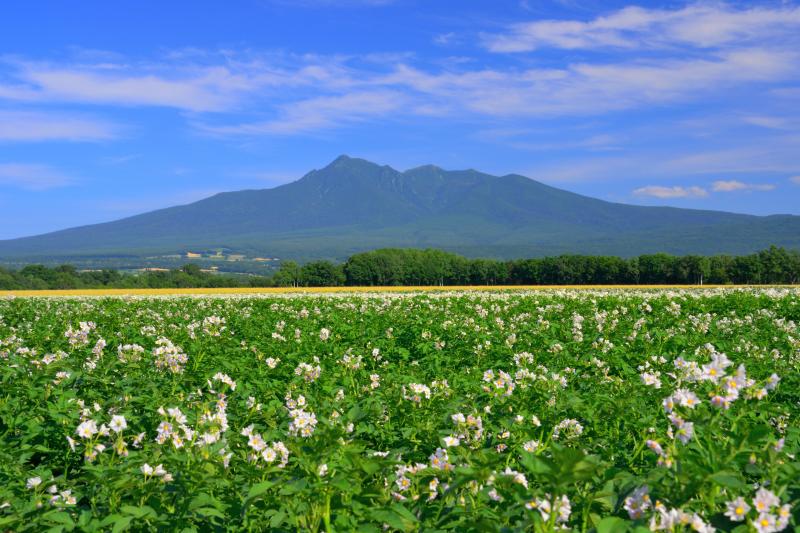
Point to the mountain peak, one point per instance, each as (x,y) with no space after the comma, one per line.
(353,204)
(349,168)
(426,168)
(346,160)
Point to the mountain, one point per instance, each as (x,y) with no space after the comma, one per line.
(354,205)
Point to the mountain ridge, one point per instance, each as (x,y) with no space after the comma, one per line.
(354,205)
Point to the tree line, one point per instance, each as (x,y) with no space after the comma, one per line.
(400,266)
(434,267)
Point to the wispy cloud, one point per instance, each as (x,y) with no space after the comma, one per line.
(773,154)
(25,126)
(302,94)
(591,88)
(735,185)
(602,142)
(795,180)
(191,80)
(444,38)
(703,49)
(657,191)
(769,122)
(120,159)
(205,90)
(723,186)
(318,113)
(289,86)
(701,25)
(33,177)
(746,159)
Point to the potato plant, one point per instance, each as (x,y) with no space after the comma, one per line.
(607,411)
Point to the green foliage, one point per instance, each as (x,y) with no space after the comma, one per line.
(504,411)
(321,274)
(400,266)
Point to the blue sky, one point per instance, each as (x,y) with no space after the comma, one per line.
(109,109)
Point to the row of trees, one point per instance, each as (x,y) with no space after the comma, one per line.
(68,277)
(435,267)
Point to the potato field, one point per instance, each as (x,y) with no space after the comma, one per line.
(607,411)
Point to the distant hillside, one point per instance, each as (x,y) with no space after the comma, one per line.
(354,205)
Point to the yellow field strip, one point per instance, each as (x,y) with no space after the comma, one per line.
(300,290)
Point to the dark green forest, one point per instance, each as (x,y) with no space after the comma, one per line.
(396,266)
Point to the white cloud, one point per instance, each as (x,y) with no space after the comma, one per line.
(701,25)
(295,94)
(769,122)
(207,91)
(32,176)
(789,93)
(768,155)
(318,113)
(729,186)
(626,85)
(656,150)
(186,80)
(795,179)
(40,126)
(591,88)
(279,84)
(119,159)
(657,191)
(602,142)
(16,92)
(735,185)
(444,38)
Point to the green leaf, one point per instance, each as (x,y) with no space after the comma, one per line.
(294,487)
(205,500)
(356,413)
(121,524)
(110,519)
(758,433)
(138,512)
(606,499)
(5,520)
(537,465)
(209,511)
(370,467)
(406,515)
(398,517)
(258,489)
(277,519)
(612,524)
(60,517)
(728,480)
(84,519)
